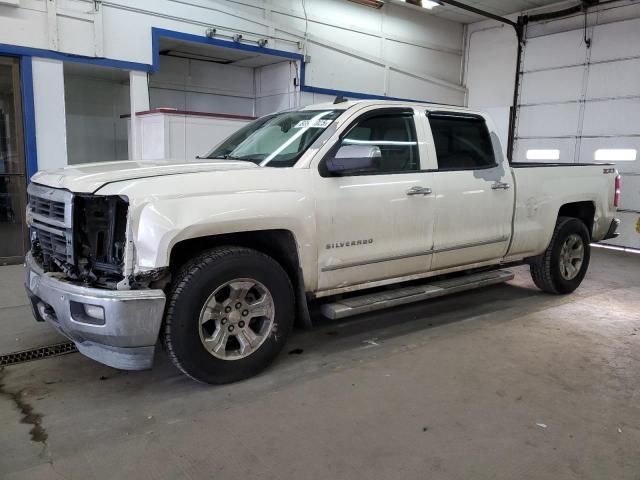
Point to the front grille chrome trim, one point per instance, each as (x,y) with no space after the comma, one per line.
(48,194)
(44,208)
(47,220)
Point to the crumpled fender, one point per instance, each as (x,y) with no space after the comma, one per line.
(164,211)
(162,224)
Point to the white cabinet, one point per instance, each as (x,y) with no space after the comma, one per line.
(168,133)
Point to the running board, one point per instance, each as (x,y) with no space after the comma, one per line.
(377,301)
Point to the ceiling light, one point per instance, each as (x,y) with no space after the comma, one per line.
(543,154)
(616,155)
(369,3)
(428,4)
(195,56)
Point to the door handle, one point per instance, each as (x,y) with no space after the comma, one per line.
(419,191)
(501,186)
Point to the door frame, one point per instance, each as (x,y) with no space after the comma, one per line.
(352,116)
(16,79)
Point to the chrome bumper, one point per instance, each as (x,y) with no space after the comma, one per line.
(116,327)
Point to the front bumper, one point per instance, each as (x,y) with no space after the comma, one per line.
(116,327)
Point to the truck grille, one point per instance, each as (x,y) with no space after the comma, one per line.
(47,208)
(51,212)
(52,244)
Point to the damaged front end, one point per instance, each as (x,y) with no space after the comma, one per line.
(80,281)
(80,236)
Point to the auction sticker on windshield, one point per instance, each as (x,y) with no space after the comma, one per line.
(319,123)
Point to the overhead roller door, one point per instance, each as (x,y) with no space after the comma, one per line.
(576,100)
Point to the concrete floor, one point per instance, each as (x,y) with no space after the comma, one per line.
(501,383)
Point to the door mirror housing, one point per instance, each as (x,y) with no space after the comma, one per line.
(354,159)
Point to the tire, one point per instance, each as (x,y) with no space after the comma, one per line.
(228,271)
(547,270)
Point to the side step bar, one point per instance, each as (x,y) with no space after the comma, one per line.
(377,301)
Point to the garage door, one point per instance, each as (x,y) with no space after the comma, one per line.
(580,104)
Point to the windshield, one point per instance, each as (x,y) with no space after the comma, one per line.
(277,140)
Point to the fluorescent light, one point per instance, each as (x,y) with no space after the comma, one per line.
(548,154)
(429,4)
(369,3)
(616,154)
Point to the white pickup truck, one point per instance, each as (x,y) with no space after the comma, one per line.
(352,205)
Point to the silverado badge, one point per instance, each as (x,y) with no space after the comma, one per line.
(350,243)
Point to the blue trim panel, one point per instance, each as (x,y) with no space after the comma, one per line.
(28,117)
(356,95)
(18,51)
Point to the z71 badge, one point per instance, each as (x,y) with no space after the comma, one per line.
(352,243)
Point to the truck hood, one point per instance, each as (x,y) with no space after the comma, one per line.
(90,177)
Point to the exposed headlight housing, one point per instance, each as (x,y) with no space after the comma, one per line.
(100,224)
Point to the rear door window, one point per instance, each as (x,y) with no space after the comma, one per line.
(462,142)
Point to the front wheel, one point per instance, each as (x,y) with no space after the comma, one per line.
(229,314)
(563,265)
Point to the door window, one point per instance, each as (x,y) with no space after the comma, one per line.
(462,142)
(395,136)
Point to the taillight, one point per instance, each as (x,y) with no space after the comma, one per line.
(616,197)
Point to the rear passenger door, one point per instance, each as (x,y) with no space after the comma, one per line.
(475,195)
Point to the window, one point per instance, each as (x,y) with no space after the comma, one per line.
(616,155)
(547,154)
(277,140)
(462,141)
(394,134)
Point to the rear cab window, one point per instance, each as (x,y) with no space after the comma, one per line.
(462,141)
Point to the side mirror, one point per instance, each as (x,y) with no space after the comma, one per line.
(354,159)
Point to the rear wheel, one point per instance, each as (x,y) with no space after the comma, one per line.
(229,314)
(563,265)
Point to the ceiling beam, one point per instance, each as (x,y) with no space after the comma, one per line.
(477,11)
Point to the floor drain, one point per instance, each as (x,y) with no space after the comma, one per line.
(37,353)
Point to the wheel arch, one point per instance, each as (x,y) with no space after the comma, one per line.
(279,244)
(583,210)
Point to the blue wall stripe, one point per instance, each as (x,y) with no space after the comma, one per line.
(356,95)
(16,50)
(28,116)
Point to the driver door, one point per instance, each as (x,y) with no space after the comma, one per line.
(376,224)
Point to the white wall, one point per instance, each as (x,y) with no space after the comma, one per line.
(166,135)
(274,86)
(49,105)
(397,51)
(202,87)
(95,131)
(490,71)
